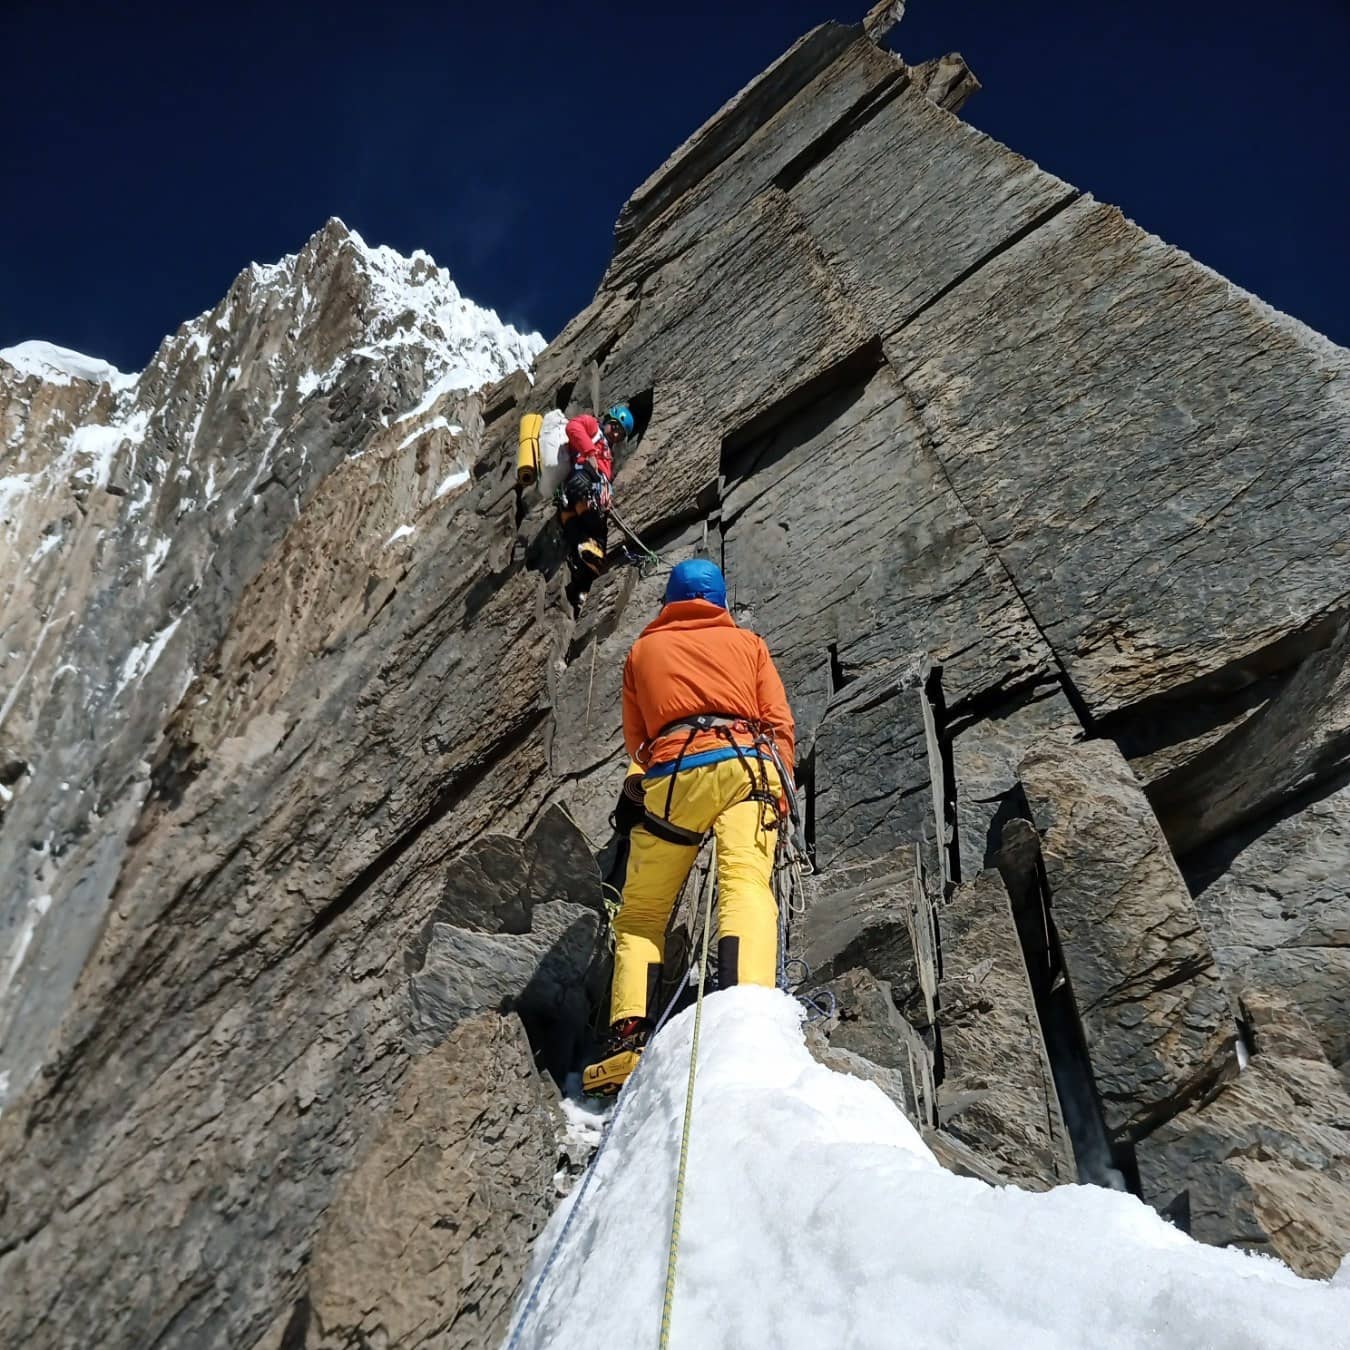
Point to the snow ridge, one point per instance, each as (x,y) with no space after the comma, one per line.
(60,365)
(418,303)
(814,1215)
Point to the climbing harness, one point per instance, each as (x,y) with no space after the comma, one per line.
(624,1095)
(782,814)
(725,726)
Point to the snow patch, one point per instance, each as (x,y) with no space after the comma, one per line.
(401,533)
(158,552)
(45,546)
(142,657)
(12,490)
(814,1215)
(98,445)
(37,907)
(437,423)
(61,365)
(584,1119)
(450,482)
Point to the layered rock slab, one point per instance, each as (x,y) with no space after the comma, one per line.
(1157,457)
(1299,738)
(940,198)
(852,478)
(986,750)
(518,926)
(426,1239)
(997,1094)
(1275,899)
(857,75)
(1265,1162)
(862,916)
(1159,1026)
(879,774)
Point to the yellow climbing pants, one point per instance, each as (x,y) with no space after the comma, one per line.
(711,795)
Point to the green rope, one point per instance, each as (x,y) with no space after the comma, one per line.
(669,1301)
(650,561)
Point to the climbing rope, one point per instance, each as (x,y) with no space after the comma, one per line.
(625,1094)
(648,561)
(672,1257)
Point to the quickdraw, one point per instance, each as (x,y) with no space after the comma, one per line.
(646,561)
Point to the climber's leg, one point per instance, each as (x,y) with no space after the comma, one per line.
(747,928)
(656,872)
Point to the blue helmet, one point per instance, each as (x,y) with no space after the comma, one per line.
(697,579)
(622,414)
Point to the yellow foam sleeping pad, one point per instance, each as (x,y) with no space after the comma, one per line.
(528,458)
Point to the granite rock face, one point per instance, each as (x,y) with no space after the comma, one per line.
(1265,1162)
(1159,1027)
(424,1240)
(1047,526)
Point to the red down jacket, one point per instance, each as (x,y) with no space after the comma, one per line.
(586,444)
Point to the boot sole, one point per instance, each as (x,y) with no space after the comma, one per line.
(607,1077)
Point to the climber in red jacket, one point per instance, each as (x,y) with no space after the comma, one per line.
(584,497)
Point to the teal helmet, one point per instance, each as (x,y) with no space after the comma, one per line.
(622,415)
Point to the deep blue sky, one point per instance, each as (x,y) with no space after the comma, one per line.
(152,151)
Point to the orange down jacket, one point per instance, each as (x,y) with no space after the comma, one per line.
(694,658)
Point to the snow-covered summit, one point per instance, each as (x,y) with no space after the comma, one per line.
(61,365)
(814,1215)
(395,302)
(419,302)
(404,302)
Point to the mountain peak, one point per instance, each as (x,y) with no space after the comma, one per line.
(61,365)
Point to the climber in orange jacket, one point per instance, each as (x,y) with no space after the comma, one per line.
(706,716)
(584,496)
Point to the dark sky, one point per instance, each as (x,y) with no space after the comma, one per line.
(152,151)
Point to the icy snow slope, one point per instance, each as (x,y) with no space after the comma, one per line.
(814,1216)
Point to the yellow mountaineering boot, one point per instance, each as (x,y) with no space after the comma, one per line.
(618,1057)
(592,555)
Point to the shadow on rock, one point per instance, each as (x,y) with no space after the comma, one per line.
(519,927)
